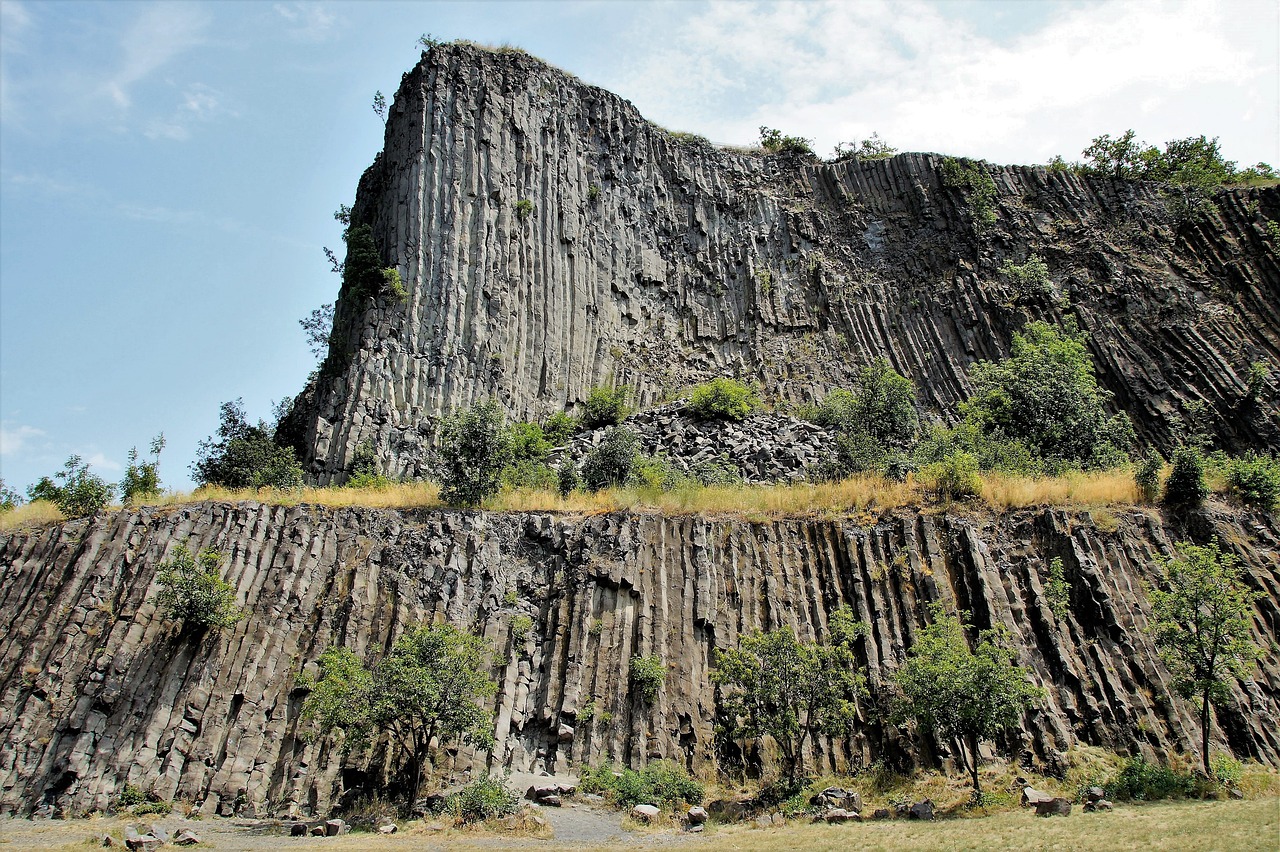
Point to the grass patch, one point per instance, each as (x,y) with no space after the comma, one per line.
(1114,487)
(38,514)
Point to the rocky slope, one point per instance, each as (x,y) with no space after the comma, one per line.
(551,239)
(97,690)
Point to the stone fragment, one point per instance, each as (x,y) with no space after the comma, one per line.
(1032,796)
(645,813)
(186,837)
(160,833)
(1094,794)
(836,815)
(334,827)
(565,733)
(298,829)
(881,813)
(922,810)
(389,828)
(697,815)
(1054,806)
(318,830)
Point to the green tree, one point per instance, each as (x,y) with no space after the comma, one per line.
(723,399)
(960,694)
(1202,623)
(428,687)
(611,462)
(606,406)
(245,456)
(773,685)
(775,143)
(873,422)
(77,493)
(1186,487)
(192,590)
(475,447)
(142,478)
(9,499)
(1045,394)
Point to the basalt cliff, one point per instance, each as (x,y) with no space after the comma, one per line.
(548,240)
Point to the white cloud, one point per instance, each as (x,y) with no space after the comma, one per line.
(15,439)
(926,79)
(102,463)
(161,32)
(307,21)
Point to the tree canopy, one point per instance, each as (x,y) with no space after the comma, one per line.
(962,694)
(1202,624)
(429,687)
(475,447)
(245,456)
(192,590)
(773,685)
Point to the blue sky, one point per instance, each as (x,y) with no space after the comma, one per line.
(168,172)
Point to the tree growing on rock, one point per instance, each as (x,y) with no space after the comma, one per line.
(242,455)
(773,685)
(960,694)
(192,590)
(426,690)
(1202,625)
(77,492)
(475,447)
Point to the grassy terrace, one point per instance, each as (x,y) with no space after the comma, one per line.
(854,496)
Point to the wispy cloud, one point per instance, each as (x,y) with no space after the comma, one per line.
(161,32)
(925,78)
(15,439)
(199,103)
(307,21)
(101,462)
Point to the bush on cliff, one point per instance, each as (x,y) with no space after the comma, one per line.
(606,406)
(77,492)
(609,465)
(875,423)
(723,399)
(245,456)
(475,448)
(660,782)
(192,590)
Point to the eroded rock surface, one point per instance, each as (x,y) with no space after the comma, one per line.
(97,690)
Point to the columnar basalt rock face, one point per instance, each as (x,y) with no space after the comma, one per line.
(96,689)
(551,239)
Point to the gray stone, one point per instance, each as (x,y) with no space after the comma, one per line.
(160,833)
(921,810)
(1056,806)
(1032,796)
(389,828)
(334,827)
(645,813)
(696,815)
(298,829)
(186,837)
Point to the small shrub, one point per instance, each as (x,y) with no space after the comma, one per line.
(661,783)
(156,808)
(647,676)
(192,590)
(606,406)
(976,186)
(527,473)
(609,465)
(593,193)
(723,399)
(655,472)
(587,711)
(484,798)
(9,499)
(1057,590)
(775,143)
(1256,379)
(567,478)
(130,796)
(520,627)
(559,428)
(78,493)
(1144,782)
(718,471)
(142,478)
(524,208)
(953,478)
(1186,486)
(1030,278)
(1148,477)
(871,148)
(1254,480)
(394,284)
(1226,769)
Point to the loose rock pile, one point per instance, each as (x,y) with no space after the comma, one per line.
(155,837)
(763,448)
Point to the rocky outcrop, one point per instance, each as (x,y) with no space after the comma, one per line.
(550,239)
(98,690)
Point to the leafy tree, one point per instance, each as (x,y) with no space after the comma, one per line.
(1186,487)
(141,478)
(610,463)
(723,399)
(1045,394)
(317,327)
(428,687)
(773,685)
(606,406)
(871,148)
(775,143)
(872,422)
(192,590)
(647,676)
(380,105)
(475,447)
(1202,622)
(528,466)
(961,694)
(559,428)
(77,492)
(245,456)
(9,499)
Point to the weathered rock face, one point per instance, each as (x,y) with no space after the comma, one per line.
(551,239)
(97,690)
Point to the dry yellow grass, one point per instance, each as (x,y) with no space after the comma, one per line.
(38,514)
(1095,488)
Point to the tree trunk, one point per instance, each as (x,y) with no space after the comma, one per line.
(1204,733)
(971,743)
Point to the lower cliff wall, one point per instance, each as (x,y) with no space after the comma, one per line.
(96,689)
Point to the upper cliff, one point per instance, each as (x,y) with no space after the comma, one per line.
(551,239)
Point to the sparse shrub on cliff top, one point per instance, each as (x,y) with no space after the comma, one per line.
(78,493)
(775,143)
(871,148)
(1148,477)
(723,399)
(1186,487)
(606,406)
(192,590)
(475,448)
(9,499)
(976,186)
(141,478)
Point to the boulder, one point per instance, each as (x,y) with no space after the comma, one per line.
(432,804)
(334,827)
(837,815)
(881,813)
(645,813)
(1032,796)
(921,810)
(186,837)
(1235,793)
(1094,794)
(550,801)
(728,810)
(143,843)
(565,734)
(1054,806)
(108,841)
(389,828)
(696,816)
(317,830)
(159,833)
(298,829)
(1098,805)
(764,820)
(567,789)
